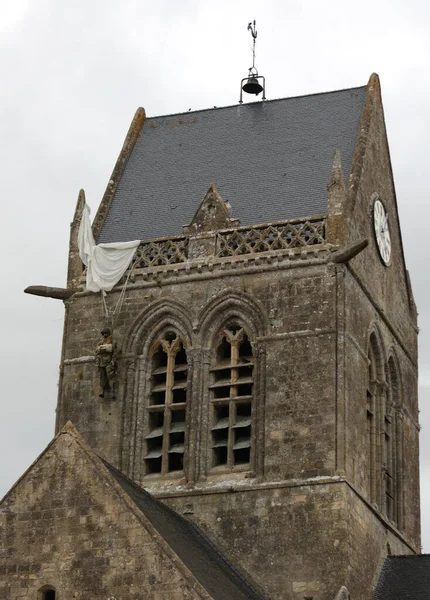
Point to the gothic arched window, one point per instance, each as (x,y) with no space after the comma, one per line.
(231,399)
(384,433)
(165,439)
(376,421)
(371,423)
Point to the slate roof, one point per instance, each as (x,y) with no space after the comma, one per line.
(208,565)
(404,578)
(271,160)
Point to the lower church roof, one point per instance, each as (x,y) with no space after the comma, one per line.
(404,578)
(205,561)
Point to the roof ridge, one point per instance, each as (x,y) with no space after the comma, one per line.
(218,552)
(258,102)
(408,555)
(68,428)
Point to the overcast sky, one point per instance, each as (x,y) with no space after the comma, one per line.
(73,74)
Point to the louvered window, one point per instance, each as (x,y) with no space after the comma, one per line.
(371,424)
(388,467)
(165,440)
(393,448)
(231,392)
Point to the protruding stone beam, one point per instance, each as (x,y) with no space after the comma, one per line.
(346,254)
(49,292)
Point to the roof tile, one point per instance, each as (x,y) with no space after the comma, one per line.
(271,160)
(205,561)
(404,578)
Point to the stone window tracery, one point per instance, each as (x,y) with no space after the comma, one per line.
(165,440)
(393,461)
(378,430)
(231,399)
(384,434)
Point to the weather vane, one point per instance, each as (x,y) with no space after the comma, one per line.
(252,85)
(253,31)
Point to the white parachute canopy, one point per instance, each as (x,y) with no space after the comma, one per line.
(106,263)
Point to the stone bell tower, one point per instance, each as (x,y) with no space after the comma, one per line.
(267,337)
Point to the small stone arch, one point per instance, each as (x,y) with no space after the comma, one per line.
(227,306)
(376,394)
(395,460)
(375,351)
(153,319)
(47,592)
(394,378)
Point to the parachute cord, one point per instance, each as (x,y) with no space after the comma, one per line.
(110,315)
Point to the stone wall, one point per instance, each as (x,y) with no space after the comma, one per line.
(301,518)
(67,526)
(360,318)
(293,324)
(387,286)
(378,298)
(370,539)
(292,539)
(278,534)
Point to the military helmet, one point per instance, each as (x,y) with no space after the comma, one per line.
(105,331)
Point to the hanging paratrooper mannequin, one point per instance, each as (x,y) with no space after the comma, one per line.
(105,361)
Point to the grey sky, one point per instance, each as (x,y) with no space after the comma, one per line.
(73,74)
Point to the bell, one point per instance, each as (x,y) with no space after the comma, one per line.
(252,86)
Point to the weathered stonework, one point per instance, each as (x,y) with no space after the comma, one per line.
(332,337)
(67,524)
(305,316)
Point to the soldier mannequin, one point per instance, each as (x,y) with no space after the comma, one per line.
(106,363)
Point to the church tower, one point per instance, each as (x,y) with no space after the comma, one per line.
(265,335)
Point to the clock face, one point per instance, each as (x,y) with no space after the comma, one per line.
(382,233)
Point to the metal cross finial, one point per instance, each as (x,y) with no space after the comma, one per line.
(252,29)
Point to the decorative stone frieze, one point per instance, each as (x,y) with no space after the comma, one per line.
(276,236)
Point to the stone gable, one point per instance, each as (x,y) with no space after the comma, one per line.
(67,524)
